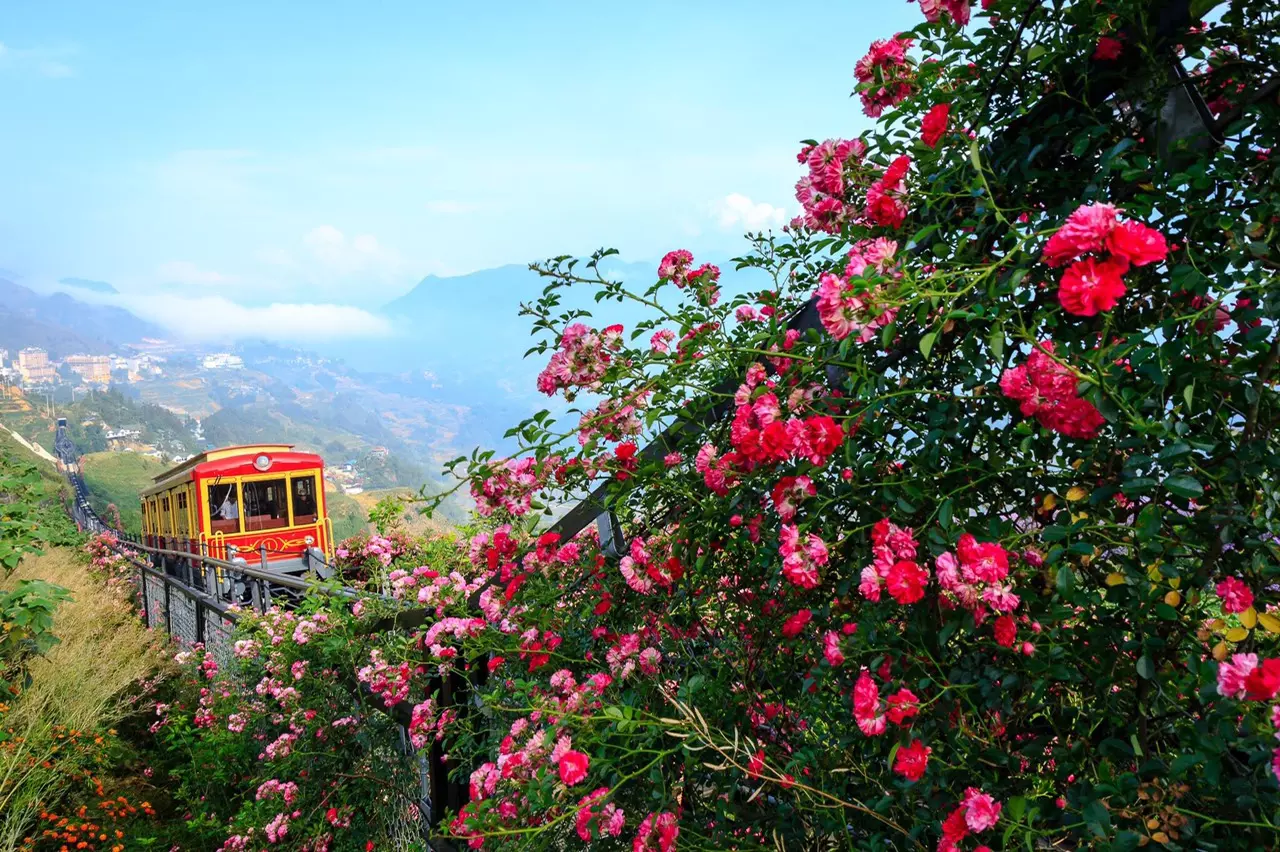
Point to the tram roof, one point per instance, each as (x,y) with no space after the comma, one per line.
(183,470)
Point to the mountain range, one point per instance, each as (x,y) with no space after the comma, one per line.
(450,375)
(64,325)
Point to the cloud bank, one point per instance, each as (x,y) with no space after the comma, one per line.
(218,318)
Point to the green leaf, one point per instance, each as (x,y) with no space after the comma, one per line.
(1149,522)
(1098,819)
(1182,485)
(974,156)
(1188,393)
(1066,580)
(926,343)
(1174,450)
(996,342)
(1200,8)
(1146,669)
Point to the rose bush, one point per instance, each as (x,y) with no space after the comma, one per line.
(960,533)
(274,746)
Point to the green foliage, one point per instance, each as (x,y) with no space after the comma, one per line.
(32,511)
(118,478)
(286,709)
(159,427)
(26,625)
(387,515)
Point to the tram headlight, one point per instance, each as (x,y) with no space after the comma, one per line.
(262,462)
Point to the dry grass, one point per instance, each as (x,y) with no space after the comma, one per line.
(84,683)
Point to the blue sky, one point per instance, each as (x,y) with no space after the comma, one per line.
(239,154)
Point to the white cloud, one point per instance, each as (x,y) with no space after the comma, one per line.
(186,272)
(45,61)
(342,255)
(453,207)
(222,319)
(737,211)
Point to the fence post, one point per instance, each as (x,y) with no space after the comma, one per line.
(210,574)
(168,607)
(146,606)
(266,587)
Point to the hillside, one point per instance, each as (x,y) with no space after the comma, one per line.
(87,681)
(118,478)
(347,514)
(414,522)
(64,325)
(107,411)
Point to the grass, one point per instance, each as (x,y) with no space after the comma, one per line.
(84,684)
(118,478)
(347,514)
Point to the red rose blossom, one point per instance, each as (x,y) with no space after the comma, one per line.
(934,124)
(573,767)
(912,761)
(1089,287)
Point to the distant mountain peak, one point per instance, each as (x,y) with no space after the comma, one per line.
(89,284)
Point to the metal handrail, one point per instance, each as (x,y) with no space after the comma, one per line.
(239,568)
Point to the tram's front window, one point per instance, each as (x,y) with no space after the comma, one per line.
(304,501)
(265,506)
(224,508)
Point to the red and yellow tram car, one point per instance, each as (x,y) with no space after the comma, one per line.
(242,498)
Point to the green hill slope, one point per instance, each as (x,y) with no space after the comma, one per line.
(117,478)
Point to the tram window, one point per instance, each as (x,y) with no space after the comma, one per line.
(304,500)
(265,506)
(224,510)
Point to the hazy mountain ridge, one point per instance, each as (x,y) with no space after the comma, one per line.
(90,285)
(65,325)
(451,376)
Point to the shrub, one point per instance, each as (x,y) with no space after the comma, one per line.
(60,750)
(275,745)
(962,533)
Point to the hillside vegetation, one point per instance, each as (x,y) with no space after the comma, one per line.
(106,410)
(413,522)
(118,478)
(349,517)
(53,735)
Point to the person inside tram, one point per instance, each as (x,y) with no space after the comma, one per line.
(229,510)
(304,499)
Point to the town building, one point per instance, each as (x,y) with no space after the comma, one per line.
(34,367)
(94,369)
(223,361)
